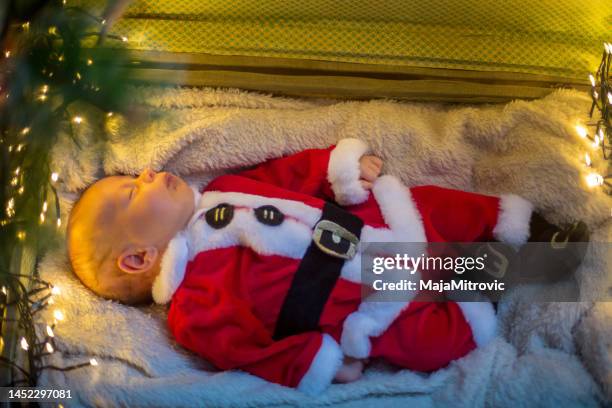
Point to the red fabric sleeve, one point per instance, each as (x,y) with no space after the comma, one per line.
(456,216)
(329,174)
(222,329)
(304,172)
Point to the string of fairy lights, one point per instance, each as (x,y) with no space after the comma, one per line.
(37,340)
(44,69)
(601,138)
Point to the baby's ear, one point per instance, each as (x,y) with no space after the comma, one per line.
(137,260)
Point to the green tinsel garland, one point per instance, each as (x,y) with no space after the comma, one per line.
(46,65)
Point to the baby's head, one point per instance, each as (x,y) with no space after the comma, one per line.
(119,229)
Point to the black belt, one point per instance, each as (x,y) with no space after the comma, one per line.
(335,239)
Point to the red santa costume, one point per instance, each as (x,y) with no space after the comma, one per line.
(229,272)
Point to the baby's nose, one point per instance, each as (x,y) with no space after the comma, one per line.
(147,175)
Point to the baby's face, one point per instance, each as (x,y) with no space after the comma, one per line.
(124,225)
(146,210)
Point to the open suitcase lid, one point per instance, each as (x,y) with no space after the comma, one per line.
(469,50)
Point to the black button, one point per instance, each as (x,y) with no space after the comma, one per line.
(220,216)
(269,215)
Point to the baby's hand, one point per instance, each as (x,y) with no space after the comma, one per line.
(369,170)
(350,370)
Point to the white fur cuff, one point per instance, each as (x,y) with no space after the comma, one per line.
(482,320)
(323,368)
(356,333)
(513,220)
(343,171)
(370,320)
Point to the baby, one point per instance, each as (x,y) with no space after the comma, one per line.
(263,271)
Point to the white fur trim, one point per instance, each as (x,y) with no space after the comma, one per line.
(290,239)
(371,234)
(172,270)
(351,269)
(399,210)
(375,315)
(294,209)
(370,320)
(482,320)
(323,368)
(513,220)
(343,171)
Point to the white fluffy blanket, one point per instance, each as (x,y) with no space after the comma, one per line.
(548,354)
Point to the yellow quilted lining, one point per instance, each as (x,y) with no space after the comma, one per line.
(552,37)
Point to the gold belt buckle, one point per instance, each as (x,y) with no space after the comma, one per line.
(333,239)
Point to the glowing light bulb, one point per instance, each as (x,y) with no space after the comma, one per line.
(77,119)
(78,76)
(54,177)
(58,315)
(10,207)
(44,88)
(594,179)
(596,141)
(124,38)
(21,190)
(103,22)
(89,61)
(4,291)
(42,98)
(42,218)
(24,344)
(49,347)
(21,235)
(582,131)
(50,331)
(45,205)
(25,130)
(587,159)
(59,223)
(93,362)
(7,54)
(592,79)
(56,290)
(109,114)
